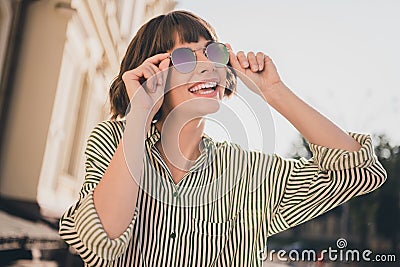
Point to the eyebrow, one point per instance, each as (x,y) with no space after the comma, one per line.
(198,48)
(209,42)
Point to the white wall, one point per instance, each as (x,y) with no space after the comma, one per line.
(33,94)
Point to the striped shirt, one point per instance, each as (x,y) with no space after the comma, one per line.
(223,210)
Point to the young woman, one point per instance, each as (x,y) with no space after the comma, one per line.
(158,192)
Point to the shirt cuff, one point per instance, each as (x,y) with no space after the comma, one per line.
(93,235)
(333,159)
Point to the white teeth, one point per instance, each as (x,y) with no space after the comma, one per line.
(202,86)
(205,92)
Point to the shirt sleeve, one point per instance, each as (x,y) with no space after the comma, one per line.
(299,190)
(80,225)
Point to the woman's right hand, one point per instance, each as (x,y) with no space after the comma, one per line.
(145,84)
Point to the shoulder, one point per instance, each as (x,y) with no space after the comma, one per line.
(237,149)
(106,134)
(109,128)
(226,146)
(255,157)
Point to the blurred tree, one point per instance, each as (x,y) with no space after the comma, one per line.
(362,211)
(300,149)
(387,216)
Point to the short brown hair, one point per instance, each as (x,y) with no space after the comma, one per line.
(158,36)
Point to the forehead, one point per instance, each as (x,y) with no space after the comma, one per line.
(201,42)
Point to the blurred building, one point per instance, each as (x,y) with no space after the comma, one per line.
(57,60)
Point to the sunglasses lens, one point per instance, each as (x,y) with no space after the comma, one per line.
(183,59)
(218,53)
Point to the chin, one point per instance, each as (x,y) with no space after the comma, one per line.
(204,106)
(195,108)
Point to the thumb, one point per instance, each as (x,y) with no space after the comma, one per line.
(164,67)
(164,64)
(233,59)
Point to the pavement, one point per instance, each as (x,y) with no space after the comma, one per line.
(25,243)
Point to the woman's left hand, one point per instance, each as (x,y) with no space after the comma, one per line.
(255,68)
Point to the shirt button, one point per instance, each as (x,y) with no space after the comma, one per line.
(175,194)
(172,235)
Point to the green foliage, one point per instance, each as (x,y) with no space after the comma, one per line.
(387,216)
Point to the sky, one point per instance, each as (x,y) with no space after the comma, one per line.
(341,57)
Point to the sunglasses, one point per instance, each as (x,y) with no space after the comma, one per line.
(184,58)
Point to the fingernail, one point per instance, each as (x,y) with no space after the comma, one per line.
(260,67)
(245,64)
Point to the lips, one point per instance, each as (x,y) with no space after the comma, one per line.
(204,88)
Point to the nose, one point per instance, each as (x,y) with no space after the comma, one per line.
(203,63)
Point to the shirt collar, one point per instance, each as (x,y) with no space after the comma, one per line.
(153,135)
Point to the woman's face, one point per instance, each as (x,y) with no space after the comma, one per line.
(199,92)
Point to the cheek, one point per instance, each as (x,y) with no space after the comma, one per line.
(175,96)
(176,91)
(177,79)
(222,75)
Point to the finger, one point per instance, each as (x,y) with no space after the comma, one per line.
(156,78)
(269,63)
(149,84)
(164,66)
(252,61)
(242,59)
(133,74)
(233,59)
(149,71)
(260,60)
(156,59)
(267,60)
(131,82)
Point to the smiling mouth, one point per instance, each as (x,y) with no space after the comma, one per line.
(206,88)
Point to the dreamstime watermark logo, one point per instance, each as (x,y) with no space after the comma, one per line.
(340,253)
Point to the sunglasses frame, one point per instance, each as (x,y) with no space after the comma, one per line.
(204,48)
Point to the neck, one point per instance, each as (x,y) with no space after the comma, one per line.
(180,139)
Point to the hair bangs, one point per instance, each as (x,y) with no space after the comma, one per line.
(189,30)
(183,27)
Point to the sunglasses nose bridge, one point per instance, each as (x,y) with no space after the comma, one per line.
(200,54)
(203,63)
